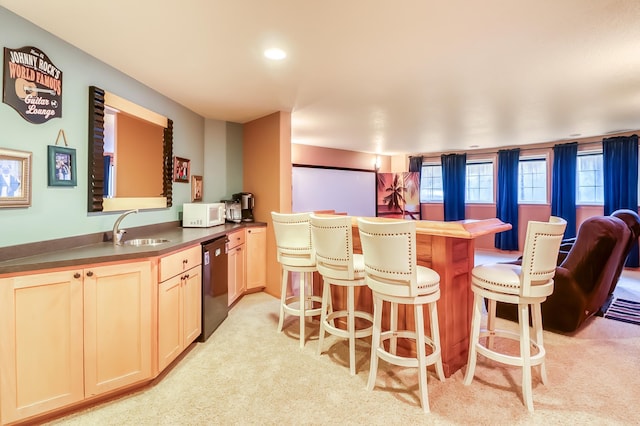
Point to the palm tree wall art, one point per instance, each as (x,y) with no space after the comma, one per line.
(398,195)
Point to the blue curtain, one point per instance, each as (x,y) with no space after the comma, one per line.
(563,192)
(415,164)
(107,172)
(507,202)
(620,169)
(454,176)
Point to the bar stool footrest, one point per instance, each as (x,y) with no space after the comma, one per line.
(516,361)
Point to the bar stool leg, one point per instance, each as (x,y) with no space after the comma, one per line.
(435,337)
(375,341)
(525,354)
(393,323)
(536,313)
(283,298)
(422,365)
(473,339)
(326,291)
(491,322)
(351,327)
(302,306)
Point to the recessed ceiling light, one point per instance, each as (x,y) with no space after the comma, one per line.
(575,135)
(275,54)
(474,146)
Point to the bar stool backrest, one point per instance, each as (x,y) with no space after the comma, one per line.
(389,250)
(293,239)
(540,253)
(333,242)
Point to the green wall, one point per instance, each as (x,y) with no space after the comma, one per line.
(58,212)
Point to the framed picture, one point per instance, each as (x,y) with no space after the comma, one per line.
(181,169)
(196,188)
(15,178)
(62,166)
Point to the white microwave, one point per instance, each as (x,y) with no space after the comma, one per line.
(202,215)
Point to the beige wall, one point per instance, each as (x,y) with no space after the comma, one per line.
(338,158)
(267,174)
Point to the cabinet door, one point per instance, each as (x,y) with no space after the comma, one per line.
(117,334)
(236,275)
(41,353)
(192,314)
(256,245)
(169,321)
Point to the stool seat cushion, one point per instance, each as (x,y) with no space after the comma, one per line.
(502,278)
(428,280)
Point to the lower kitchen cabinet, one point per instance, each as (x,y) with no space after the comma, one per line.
(256,252)
(41,358)
(179,303)
(62,344)
(117,326)
(236,265)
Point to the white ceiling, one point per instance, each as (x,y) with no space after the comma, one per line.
(385,76)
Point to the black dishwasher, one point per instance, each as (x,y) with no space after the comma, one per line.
(215,291)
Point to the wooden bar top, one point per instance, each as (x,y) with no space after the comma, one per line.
(467,229)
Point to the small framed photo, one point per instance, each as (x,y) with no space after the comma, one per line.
(62,166)
(196,188)
(15,178)
(181,169)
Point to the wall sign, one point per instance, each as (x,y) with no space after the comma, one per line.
(32,85)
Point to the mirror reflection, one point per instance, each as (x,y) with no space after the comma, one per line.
(132,155)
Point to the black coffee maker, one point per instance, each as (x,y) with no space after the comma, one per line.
(246,201)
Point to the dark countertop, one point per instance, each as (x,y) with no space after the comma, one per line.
(101,252)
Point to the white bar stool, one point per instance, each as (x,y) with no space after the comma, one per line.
(526,285)
(333,242)
(392,273)
(295,253)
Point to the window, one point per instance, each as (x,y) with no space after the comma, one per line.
(479,184)
(532,181)
(431,184)
(589,185)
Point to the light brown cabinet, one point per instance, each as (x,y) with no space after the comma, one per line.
(69,335)
(236,261)
(256,252)
(72,334)
(117,326)
(179,303)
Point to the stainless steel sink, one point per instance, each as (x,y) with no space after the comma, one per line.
(146,241)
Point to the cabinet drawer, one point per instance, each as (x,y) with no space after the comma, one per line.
(235,239)
(179,262)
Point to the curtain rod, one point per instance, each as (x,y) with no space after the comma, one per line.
(521,149)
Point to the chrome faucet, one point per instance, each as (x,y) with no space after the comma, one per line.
(118,234)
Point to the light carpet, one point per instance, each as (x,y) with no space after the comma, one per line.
(247,373)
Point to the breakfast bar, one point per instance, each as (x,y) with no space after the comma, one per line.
(448,249)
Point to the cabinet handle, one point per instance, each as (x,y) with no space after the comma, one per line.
(77,275)
(89,273)
(186,277)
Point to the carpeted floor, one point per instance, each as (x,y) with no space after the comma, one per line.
(247,373)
